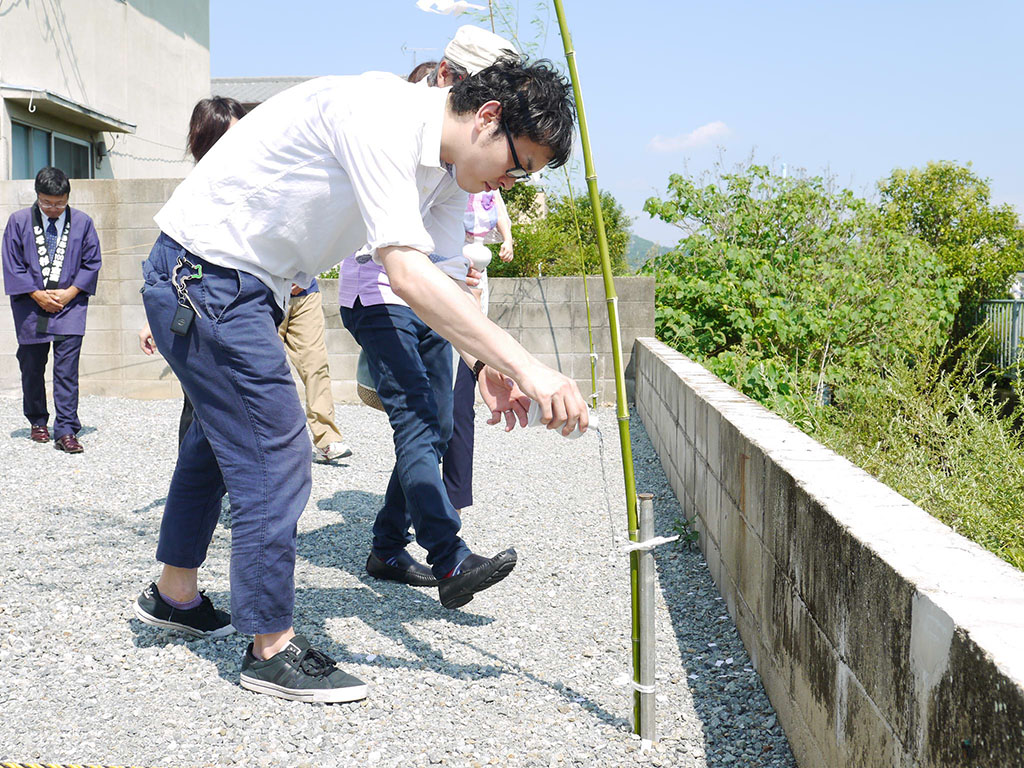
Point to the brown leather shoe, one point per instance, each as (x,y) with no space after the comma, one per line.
(40,434)
(68,444)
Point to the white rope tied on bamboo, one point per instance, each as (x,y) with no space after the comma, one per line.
(646,546)
(625,681)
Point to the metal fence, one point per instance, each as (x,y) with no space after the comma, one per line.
(1006,319)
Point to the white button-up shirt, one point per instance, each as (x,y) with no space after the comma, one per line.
(316,172)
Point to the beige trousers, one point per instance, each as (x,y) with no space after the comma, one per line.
(303,335)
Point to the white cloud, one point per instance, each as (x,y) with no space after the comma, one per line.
(695,138)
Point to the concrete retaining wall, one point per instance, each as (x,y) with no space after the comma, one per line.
(883,638)
(548,315)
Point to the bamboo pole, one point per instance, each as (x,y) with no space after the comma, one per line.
(613,321)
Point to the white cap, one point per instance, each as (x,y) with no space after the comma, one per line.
(475,49)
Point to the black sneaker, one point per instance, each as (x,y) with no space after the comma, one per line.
(478,574)
(202,621)
(404,569)
(300,673)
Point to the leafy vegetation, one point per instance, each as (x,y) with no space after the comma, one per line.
(939,436)
(550,243)
(949,208)
(785,285)
(800,294)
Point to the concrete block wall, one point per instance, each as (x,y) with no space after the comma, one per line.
(548,315)
(882,637)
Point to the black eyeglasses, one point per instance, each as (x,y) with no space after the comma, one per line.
(517,172)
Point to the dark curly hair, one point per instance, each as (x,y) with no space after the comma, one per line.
(536,102)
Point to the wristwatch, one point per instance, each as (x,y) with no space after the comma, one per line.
(477,367)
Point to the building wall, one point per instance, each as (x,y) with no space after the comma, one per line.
(142,61)
(548,316)
(882,637)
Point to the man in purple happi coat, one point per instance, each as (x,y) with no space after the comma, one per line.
(51,259)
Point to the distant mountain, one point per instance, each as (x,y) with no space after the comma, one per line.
(640,250)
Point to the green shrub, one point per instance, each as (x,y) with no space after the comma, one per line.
(948,207)
(550,242)
(785,284)
(939,438)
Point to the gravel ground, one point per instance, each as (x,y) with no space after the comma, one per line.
(528,674)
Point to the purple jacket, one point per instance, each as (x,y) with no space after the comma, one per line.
(22,275)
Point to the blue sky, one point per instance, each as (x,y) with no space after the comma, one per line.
(850,88)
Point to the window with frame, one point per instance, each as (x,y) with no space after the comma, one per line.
(35,148)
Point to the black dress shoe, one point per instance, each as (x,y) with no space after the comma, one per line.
(456,591)
(406,570)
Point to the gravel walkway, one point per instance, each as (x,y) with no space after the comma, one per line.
(528,674)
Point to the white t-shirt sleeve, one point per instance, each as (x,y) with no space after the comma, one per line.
(380,156)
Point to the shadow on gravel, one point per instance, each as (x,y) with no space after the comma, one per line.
(225,654)
(26,432)
(154,504)
(737,719)
(357,505)
(570,694)
(386,607)
(315,608)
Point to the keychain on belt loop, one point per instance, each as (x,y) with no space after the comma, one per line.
(187,310)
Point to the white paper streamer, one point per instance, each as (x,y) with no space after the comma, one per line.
(635,546)
(447,7)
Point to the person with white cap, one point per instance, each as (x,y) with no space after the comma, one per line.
(411,366)
(471,50)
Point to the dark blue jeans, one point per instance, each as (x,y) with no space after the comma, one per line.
(412,368)
(248,435)
(67,350)
(457,465)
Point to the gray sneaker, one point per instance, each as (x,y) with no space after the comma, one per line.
(331,452)
(202,621)
(300,673)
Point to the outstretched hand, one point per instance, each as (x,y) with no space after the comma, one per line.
(561,404)
(503,398)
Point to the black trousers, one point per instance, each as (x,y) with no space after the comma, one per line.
(457,464)
(32,358)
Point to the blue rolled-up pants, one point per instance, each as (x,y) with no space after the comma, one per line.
(248,435)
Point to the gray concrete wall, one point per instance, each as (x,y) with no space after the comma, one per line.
(144,62)
(548,316)
(883,638)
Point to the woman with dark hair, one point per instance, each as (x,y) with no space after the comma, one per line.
(421,70)
(210,120)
